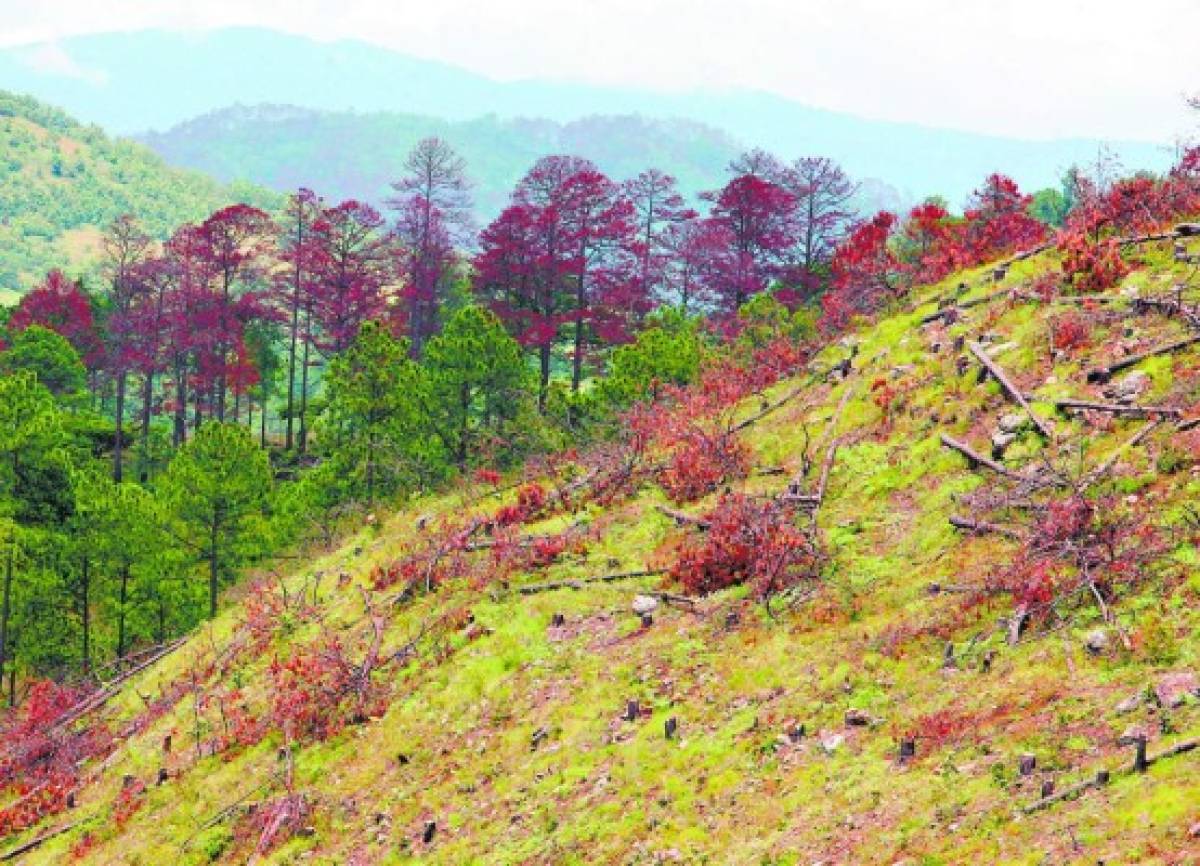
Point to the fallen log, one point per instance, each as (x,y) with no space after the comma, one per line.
(1129,411)
(814,500)
(580,583)
(1071,793)
(1103,374)
(36,842)
(974,458)
(1013,391)
(683,518)
(982,527)
(769,408)
(95,701)
(1102,470)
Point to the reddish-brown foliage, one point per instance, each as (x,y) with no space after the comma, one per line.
(1069,332)
(318,691)
(748,541)
(1090,265)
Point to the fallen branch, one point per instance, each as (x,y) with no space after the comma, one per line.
(974,458)
(981,527)
(1103,374)
(1013,391)
(1102,470)
(1118,409)
(36,842)
(97,700)
(769,408)
(580,583)
(682,518)
(1071,793)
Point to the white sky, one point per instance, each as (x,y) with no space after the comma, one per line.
(1028,68)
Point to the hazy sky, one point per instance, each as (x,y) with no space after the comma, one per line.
(1030,68)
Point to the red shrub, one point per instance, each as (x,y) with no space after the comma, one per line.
(489,477)
(129,801)
(275,822)
(748,541)
(1069,332)
(701,462)
(318,691)
(1091,266)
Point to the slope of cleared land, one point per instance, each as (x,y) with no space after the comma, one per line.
(498,727)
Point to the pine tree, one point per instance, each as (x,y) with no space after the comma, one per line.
(218,486)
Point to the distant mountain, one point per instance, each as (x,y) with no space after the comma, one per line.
(62,182)
(350,155)
(132,82)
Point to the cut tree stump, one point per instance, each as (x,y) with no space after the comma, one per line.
(999,375)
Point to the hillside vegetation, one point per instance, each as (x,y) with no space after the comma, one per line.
(355,155)
(62,183)
(449,686)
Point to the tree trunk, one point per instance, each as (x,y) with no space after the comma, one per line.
(180,406)
(147,403)
(213,569)
(85,612)
(119,412)
(124,596)
(304,384)
(6,604)
(262,422)
(544,385)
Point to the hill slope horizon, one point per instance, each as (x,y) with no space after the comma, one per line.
(101,79)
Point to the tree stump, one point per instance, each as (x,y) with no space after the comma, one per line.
(670,727)
(647,620)
(166,744)
(797,733)
(429,832)
(632,710)
(539,737)
(985,664)
(1026,764)
(402,759)
(163,775)
(908,749)
(1101,778)
(558,620)
(1139,755)
(1047,787)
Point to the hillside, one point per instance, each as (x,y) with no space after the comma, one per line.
(62,182)
(495,726)
(348,155)
(102,79)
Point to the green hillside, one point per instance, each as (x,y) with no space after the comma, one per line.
(62,182)
(494,724)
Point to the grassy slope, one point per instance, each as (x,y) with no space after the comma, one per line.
(62,183)
(730,789)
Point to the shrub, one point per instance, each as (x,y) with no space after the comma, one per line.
(748,541)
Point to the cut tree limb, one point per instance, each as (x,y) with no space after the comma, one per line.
(1118,409)
(683,518)
(1013,391)
(1102,470)
(974,458)
(1103,374)
(982,526)
(534,588)
(36,842)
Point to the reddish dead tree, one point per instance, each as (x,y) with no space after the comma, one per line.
(433,205)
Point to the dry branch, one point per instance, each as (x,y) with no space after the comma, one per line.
(1103,374)
(1013,391)
(534,588)
(974,458)
(1102,470)
(1118,409)
(683,518)
(36,842)
(981,526)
